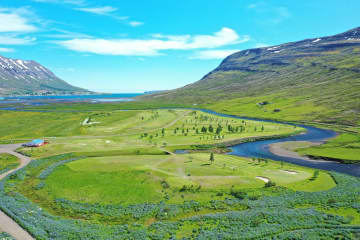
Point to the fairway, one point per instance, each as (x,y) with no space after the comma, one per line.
(166,129)
(150,179)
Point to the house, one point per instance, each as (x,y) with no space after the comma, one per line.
(35,143)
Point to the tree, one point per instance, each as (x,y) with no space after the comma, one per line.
(262,128)
(163,132)
(218,130)
(212,159)
(211,129)
(203,129)
(270,184)
(197,131)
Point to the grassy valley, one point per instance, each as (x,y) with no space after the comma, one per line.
(119,171)
(157,168)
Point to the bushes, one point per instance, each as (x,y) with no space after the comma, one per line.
(5,236)
(238,194)
(44,174)
(270,184)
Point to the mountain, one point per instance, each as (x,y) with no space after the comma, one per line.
(18,77)
(314,79)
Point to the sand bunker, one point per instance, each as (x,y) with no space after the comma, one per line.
(263,179)
(289,172)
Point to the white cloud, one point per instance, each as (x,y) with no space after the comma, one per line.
(154,46)
(6,49)
(261,45)
(13,21)
(282,13)
(213,54)
(135,23)
(109,12)
(256,5)
(15,40)
(64,34)
(74,2)
(98,10)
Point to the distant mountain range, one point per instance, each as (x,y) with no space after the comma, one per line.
(19,77)
(312,77)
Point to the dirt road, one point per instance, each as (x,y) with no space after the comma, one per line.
(6,223)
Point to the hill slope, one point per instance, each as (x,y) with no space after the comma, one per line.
(314,79)
(29,77)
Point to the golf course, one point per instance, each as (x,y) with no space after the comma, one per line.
(163,173)
(179,120)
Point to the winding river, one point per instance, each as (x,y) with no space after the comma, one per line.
(261,149)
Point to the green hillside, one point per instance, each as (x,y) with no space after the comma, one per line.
(310,80)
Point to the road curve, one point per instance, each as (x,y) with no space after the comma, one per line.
(6,223)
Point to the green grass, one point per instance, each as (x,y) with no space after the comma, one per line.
(129,131)
(107,107)
(323,182)
(8,162)
(138,179)
(345,148)
(29,125)
(350,213)
(105,186)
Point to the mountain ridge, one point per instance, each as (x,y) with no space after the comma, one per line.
(19,77)
(321,73)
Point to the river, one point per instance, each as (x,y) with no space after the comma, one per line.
(260,149)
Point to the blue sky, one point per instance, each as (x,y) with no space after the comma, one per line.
(135,46)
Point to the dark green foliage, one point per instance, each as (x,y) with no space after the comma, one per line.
(211,129)
(270,184)
(238,194)
(314,177)
(212,159)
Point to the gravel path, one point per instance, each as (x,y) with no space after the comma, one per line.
(6,223)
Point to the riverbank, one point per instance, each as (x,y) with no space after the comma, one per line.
(282,149)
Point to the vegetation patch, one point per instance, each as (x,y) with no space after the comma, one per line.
(8,162)
(344,148)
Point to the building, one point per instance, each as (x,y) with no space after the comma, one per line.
(35,143)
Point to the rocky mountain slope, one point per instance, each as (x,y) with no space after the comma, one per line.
(29,77)
(318,79)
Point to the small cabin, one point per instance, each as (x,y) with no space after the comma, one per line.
(35,143)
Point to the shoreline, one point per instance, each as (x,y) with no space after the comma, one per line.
(278,149)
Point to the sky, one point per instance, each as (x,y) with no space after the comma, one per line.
(136,46)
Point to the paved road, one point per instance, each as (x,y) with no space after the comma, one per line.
(6,223)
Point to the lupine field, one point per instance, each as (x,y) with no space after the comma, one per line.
(279,214)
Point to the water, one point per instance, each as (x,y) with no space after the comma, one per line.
(260,149)
(93,96)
